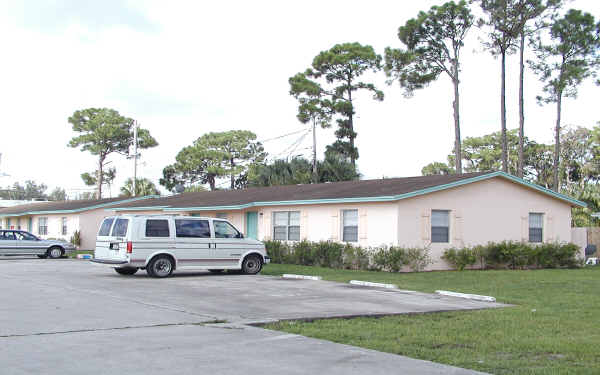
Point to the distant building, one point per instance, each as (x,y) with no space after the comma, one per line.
(60,219)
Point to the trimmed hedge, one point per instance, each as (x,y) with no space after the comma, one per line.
(345,256)
(514,255)
(506,254)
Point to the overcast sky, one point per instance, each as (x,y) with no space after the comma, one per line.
(183,69)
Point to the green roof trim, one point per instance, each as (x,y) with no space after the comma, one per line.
(135,208)
(49,212)
(388,198)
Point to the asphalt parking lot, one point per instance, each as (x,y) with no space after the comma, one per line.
(73,317)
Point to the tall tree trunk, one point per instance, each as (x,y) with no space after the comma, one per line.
(521,166)
(457,143)
(503,114)
(315,174)
(557,143)
(351,126)
(232,164)
(100,177)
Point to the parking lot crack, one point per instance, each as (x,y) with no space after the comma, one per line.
(207,323)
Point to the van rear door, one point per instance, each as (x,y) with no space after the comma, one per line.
(111,243)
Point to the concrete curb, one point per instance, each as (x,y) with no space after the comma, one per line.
(475,297)
(301,277)
(374,285)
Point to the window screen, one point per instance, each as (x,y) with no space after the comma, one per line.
(440,224)
(43,225)
(286,226)
(105,227)
(192,228)
(350,225)
(536,227)
(120,228)
(157,228)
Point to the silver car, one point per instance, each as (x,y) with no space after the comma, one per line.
(19,242)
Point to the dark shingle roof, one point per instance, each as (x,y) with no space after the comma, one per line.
(335,190)
(74,205)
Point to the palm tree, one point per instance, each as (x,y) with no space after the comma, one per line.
(143,186)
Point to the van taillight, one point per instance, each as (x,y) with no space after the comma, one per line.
(129,247)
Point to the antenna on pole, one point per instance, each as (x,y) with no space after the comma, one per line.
(135,156)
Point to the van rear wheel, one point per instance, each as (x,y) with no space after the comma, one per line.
(126,270)
(252,265)
(161,266)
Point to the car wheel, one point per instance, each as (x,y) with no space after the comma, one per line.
(126,270)
(252,265)
(54,252)
(216,271)
(42,256)
(161,266)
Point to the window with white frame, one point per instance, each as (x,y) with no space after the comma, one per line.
(350,225)
(536,227)
(440,226)
(63,226)
(43,226)
(286,225)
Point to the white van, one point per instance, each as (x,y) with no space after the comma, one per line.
(161,244)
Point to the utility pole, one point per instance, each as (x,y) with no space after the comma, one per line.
(314,161)
(135,156)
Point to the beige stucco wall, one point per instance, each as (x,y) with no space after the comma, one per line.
(486,211)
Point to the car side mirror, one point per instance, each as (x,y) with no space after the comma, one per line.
(239,235)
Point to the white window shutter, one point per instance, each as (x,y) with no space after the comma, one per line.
(335,225)
(304,224)
(268,230)
(362,224)
(426,225)
(457,227)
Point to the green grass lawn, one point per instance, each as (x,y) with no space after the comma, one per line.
(553,329)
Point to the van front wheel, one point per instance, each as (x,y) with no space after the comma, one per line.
(126,270)
(251,265)
(161,266)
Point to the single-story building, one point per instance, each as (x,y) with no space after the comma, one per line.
(438,212)
(60,219)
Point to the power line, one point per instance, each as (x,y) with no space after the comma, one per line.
(282,136)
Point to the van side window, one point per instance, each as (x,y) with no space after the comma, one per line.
(105,227)
(157,228)
(192,228)
(224,230)
(120,228)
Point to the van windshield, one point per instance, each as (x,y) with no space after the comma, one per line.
(120,228)
(105,227)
